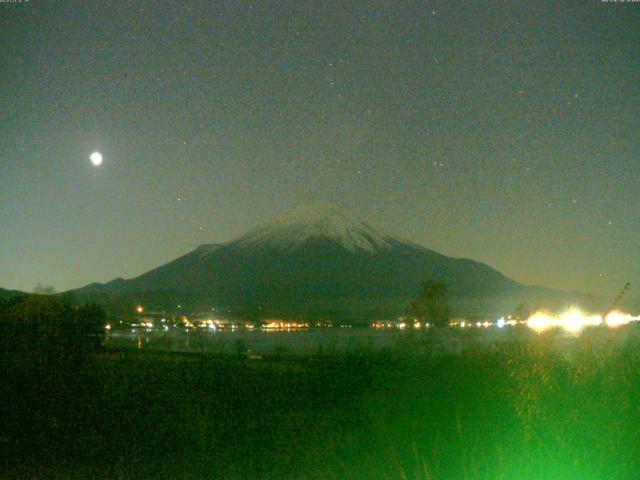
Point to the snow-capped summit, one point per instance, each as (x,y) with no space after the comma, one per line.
(317,221)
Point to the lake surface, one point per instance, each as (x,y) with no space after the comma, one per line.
(298,342)
(314,341)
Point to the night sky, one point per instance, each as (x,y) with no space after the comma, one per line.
(502,131)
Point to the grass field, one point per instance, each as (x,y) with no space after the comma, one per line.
(517,410)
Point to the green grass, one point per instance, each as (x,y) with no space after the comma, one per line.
(520,410)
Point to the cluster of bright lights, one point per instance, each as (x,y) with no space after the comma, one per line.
(282,325)
(401,324)
(500,323)
(209,324)
(574,320)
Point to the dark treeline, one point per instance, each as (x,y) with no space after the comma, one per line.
(55,326)
(526,408)
(47,350)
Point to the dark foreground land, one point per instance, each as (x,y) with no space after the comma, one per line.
(519,410)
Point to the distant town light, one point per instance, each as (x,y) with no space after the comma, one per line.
(139,309)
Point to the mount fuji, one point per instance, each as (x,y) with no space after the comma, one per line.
(312,262)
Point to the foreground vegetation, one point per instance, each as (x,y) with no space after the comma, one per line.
(518,410)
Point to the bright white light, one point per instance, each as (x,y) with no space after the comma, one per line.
(572,321)
(541,321)
(616,318)
(96,158)
(500,322)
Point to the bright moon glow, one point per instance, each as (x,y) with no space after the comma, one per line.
(96,158)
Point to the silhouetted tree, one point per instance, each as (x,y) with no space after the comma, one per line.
(432,305)
(40,289)
(522,311)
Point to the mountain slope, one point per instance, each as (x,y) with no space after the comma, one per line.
(8,294)
(312,261)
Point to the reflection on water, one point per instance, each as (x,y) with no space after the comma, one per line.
(260,342)
(325,341)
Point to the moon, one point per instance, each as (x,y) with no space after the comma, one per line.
(96,158)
